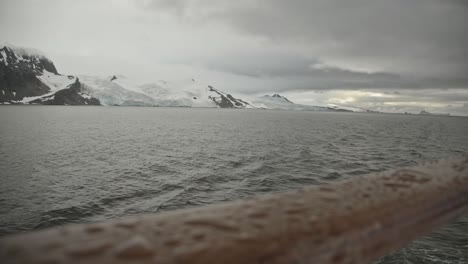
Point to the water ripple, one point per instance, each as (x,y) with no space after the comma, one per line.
(75,164)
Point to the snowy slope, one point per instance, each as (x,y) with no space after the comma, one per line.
(111,93)
(279,102)
(54,82)
(120,90)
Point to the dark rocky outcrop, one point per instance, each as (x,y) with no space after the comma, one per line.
(20,77)
(26,62)
(224,100)
(72,95)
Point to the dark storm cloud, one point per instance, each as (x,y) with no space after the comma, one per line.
(418,43)
(312,74)
(293,72)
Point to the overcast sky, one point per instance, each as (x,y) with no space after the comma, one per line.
(388,55)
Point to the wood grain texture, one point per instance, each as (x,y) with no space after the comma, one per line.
(352,221)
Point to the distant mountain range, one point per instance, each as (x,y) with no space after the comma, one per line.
(424,112)
(28,77)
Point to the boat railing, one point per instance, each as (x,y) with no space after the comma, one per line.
(357,220)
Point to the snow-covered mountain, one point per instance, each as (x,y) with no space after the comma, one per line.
(278,98)
(279,102)
(122,91)
(29,77)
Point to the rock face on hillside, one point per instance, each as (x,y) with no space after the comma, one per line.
(18,75)
(72,95)
(224,100)
(27,77)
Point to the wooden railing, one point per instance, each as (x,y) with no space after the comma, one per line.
(352,221)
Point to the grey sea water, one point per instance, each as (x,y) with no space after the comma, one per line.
(79,164)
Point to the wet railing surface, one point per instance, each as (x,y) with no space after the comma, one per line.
(352,221)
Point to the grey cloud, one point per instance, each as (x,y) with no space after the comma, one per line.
(176,6)
(419,39)
(293,72)
(425,96)
(262,64)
